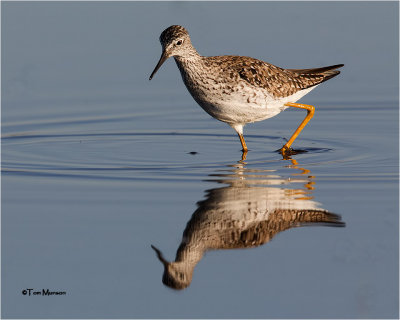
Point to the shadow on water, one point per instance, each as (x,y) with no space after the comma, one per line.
(292,152)
(248,212)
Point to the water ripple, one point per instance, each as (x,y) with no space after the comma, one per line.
(163,155)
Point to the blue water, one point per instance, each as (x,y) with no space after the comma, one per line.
(98,164)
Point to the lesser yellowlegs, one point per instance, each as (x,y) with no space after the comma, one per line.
(245,213)
(239,90)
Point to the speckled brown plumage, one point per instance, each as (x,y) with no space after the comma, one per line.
(244,214)
(277,81)
(172,33)
(280,82)
(235,89)
(229,234)
(224,222)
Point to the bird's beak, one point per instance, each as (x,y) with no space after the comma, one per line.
(164,57)
(158,252)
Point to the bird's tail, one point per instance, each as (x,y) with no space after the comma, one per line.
(327,72)
(319,217)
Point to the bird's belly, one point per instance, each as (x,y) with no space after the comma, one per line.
(239,108)
(236,103)
(237,112)
(244,106)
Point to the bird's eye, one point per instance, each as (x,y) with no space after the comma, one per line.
(179,42)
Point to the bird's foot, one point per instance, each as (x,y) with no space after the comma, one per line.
(286,150)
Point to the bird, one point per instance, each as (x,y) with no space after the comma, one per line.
(248,211)
(239,90)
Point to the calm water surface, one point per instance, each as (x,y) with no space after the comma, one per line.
(98,164)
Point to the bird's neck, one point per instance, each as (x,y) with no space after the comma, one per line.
(190,67)
(189,255)
(188,61)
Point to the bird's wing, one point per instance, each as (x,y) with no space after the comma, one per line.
(278,81)
(278,221)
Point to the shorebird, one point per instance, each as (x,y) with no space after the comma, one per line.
(238,90)
(250,210)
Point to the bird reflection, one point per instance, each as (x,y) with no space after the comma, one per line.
(248,212)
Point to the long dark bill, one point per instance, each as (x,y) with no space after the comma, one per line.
(160,256)
(164,57)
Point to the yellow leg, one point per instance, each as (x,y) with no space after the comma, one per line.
(310,114)
(244,155)
(295,165)
(244,147)
(310,183)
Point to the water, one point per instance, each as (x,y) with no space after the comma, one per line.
(98,164)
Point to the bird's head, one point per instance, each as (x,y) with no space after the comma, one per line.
(177,275)
(175,42)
